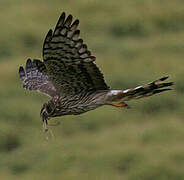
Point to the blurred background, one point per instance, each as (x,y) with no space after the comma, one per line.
(135,42)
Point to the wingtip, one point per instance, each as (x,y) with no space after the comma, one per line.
(76,22)
(21,68)
(28,63)
(70,16)
(62,17)
(21,73)
(50,32)
(63,14)
(68,21)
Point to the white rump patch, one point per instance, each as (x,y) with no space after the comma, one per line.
(114,92)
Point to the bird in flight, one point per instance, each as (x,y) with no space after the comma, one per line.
(70,77)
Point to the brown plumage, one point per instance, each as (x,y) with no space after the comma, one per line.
(70,77)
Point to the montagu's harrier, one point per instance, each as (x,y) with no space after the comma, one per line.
(70,77)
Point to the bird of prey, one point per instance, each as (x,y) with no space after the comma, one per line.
(70,77)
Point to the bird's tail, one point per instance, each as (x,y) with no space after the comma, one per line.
(146,90)
(138,92)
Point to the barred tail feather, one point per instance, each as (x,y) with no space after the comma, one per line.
(146,90)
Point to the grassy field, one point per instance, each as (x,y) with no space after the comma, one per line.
(135,42)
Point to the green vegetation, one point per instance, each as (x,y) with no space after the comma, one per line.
(135,42)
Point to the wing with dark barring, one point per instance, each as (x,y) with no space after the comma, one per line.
(33,77)
(69,63)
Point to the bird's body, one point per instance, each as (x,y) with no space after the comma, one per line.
(78,104)
(70,77)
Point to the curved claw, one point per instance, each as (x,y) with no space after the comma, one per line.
(122,105)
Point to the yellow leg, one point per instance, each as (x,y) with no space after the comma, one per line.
(122,105)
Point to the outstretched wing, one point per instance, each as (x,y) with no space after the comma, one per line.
(34,78)
(69,64)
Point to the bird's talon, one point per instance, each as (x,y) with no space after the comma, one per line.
(122,105)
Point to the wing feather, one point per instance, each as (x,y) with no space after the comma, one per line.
(33,78)
(69,63)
